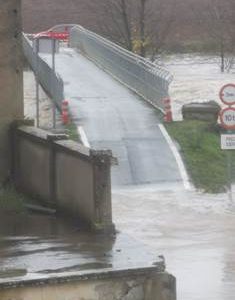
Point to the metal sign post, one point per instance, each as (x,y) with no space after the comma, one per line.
(227,120)
(53,68)
(37,83)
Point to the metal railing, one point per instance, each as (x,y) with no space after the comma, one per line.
(140,75)
(50,81)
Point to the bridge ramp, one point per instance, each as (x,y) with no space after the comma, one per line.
(115,118)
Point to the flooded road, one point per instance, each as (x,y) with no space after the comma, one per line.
(195,233)
(38,247)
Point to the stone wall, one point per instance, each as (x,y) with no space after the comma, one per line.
(11,77)
(63,174)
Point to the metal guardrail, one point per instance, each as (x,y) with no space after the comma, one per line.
(140,75)
(50,81)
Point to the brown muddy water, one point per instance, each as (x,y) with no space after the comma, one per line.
(39,246)
(194,231)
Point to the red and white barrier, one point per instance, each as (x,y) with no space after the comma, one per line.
(168,111)
(65,112)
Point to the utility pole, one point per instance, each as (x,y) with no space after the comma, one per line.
(11,78)
(53,68)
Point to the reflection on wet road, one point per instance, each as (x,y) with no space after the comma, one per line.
(195,232)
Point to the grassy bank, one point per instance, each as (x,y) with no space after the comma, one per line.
(200,147)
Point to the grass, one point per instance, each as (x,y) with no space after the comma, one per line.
(12,201)
(71,130)
(200,145)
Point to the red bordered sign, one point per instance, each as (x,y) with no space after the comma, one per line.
(227,94)
(227,118)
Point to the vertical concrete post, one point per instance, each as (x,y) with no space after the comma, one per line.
(11,77)
(102,190)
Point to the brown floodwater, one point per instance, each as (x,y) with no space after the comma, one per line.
(194,231)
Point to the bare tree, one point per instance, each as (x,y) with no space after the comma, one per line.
(114,20)
(139,25)
(217,18)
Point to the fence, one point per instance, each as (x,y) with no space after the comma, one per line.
(50,81)
(140,75)
(63,174)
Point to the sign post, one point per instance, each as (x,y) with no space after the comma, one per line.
(227,120)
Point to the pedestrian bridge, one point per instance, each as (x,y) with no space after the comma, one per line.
(113,95)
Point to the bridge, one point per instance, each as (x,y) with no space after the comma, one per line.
(113,95)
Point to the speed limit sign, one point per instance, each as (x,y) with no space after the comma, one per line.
(227,118)
(227,94)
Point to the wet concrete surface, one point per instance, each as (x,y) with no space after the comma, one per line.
(34,247)
(194,231)
(115,118)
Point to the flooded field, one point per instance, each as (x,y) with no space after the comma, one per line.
(196,78)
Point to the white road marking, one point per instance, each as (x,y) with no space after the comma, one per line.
(83,137)
(179,161)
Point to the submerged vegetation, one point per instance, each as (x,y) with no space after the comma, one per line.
(200,146)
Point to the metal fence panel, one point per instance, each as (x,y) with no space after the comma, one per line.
(140,75)
(50,81)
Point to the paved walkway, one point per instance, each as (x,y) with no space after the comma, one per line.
(114,118)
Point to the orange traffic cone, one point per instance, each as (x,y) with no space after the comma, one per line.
(65,112)
(168,112)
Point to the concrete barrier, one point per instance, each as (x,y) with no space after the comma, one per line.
(64,174)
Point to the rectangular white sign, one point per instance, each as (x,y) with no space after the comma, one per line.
(227,141)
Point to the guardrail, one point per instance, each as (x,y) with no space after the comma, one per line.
(49,80)
(140,75)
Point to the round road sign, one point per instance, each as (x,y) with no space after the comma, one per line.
(227,118)
(227,94)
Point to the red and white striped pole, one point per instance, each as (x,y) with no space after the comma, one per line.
(65,112)
(168,112)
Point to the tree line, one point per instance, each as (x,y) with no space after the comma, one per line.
(146,27)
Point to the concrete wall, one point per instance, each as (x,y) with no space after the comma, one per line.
(152,286)
(64,174)
(11,79)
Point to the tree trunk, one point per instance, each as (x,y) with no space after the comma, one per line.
(142,27)
(126,25)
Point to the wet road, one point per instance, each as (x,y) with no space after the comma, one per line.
(195,232)
(114,118)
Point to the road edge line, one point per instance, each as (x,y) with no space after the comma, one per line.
(179,161)
(83,137)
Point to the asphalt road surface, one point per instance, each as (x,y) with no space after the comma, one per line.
(112,117)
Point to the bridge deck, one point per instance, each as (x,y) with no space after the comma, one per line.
(115,118)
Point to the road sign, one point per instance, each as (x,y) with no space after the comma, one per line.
(227,94)
(228,141)
(227,118)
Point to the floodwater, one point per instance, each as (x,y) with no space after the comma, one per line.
(34,246)
(197,78)
(194,231)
